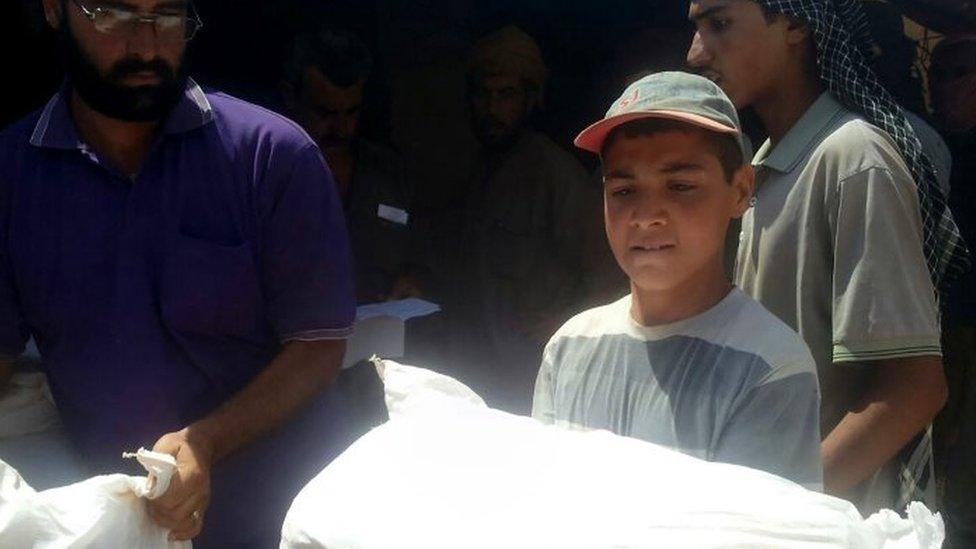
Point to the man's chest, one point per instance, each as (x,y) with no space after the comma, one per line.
(82,238)
(786,232)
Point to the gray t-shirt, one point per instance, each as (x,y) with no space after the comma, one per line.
(733,384)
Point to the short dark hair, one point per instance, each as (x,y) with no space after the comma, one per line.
(341,56)
(723,146)
(769,14)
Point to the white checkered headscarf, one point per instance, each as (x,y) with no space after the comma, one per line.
(841,34)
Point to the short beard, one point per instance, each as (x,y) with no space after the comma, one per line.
(106,95)
(497,141)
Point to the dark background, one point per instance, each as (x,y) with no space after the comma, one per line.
(416,101)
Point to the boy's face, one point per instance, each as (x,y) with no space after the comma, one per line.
(737,48)
(668,206)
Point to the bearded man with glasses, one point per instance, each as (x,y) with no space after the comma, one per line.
(181,259)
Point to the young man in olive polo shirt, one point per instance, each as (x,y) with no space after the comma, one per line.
(848,237)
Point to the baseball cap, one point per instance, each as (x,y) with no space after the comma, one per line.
(673,95)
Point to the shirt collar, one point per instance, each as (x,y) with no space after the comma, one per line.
(785,156)
(192,112)
(55,128)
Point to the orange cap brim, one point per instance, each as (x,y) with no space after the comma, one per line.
(591,139)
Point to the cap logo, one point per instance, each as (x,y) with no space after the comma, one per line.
(630,99)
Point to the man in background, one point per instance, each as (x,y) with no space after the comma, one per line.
(527,220)
(327,75)
(893,59)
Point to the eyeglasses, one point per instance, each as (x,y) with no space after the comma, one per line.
(123,23)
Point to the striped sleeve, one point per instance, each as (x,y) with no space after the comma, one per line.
(884,304)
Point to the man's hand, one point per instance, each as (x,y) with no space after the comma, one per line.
(300,372)
(181,509)
(405,287)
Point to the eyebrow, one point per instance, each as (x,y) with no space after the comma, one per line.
(178,4)
(618,174)
(681,167)
(708,12)
(114,4)
(121,4)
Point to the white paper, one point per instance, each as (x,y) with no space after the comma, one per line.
(380,328)
(404,309)
(382,335)
(394,215)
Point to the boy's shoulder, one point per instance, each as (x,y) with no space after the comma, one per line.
(596,322)
(739,323)
(753,329)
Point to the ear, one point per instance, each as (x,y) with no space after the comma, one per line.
(53,13)
(797,31)
(743,184)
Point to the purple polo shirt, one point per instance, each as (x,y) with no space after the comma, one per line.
(153,299)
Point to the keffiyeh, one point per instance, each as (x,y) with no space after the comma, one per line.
(840,31)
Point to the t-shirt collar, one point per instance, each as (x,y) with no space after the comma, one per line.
(785,156)
(55,128)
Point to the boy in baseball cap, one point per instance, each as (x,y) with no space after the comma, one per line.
(686,360)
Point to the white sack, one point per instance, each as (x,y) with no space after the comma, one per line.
(448,472)
(26,406)
(32,439)
(102,512)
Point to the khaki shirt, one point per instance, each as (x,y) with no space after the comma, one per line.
(833,247)
(378,219)
(531,222)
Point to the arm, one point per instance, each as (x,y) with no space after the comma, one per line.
(309,293)
(300,372)
(294,378)
(902,399)
(885,323)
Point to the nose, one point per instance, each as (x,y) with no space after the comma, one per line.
(495,106)
(143,42)
(698,56)
(650,213)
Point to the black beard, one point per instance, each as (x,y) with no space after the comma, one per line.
(106,95)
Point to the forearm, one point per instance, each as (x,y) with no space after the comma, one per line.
(300,372)
(902,399)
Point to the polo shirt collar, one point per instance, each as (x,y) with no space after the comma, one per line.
(55,128)
(785,156)
(192,112)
